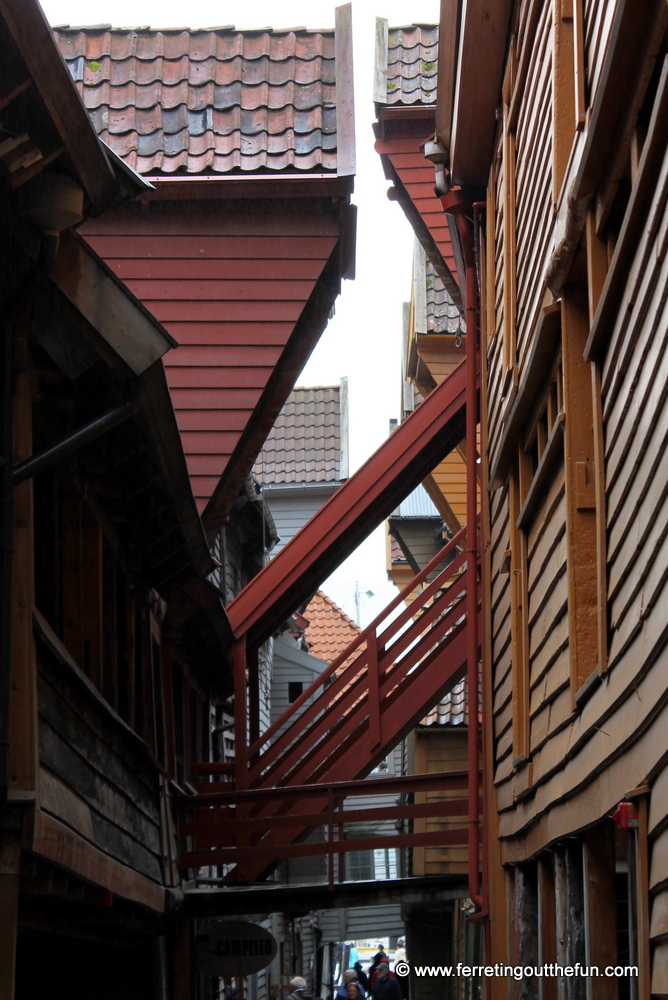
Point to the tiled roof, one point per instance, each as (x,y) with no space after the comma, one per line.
(330,629)
(452,710)
(412,64)
(304,445)
(443,316)
(211,100)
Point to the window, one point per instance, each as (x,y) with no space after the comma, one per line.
(295,689)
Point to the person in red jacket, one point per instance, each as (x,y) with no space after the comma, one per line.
(386,986)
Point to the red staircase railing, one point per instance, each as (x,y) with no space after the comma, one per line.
(220,820)
(339,728)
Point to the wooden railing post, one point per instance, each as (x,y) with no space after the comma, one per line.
(342,857)
(252,661)
(330,837)
(240,715)
(374,690)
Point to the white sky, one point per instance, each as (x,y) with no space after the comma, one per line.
(363,340)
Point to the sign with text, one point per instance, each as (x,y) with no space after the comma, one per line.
(229,948)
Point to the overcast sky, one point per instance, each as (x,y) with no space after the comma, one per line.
(363,339)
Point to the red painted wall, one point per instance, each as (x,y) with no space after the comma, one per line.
(229,280)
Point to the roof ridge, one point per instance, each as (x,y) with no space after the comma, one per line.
(340,611)
(192,31)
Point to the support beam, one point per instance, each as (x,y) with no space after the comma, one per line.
(211,902)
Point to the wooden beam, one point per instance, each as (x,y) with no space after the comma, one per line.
(547,926)
(363,502)
(448,40)
(63,847)
(10,870)
(580,511)
(482,49)
(23,735)
(563,93)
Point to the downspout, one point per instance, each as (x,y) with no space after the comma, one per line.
(454,204)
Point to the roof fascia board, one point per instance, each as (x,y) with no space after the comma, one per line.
(159,409)
(360,505)
(108,305)
(448,41)
(293,654)
(221,186)
(286,490)
(380,61)
(344,461)
(482,51)
(34,39)
(345,95)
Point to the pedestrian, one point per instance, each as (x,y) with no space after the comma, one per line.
(362,977)
(386,987)
(299,989)
(349,976)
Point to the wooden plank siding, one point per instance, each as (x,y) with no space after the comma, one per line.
(533,182)
(97,776)
(230,282)
(597,17)
(439,748)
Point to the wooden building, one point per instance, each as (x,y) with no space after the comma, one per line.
(551,125)
(113,642)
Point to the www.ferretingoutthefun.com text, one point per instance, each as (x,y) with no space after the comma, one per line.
(519,972)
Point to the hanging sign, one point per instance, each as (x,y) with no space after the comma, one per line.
(230,948)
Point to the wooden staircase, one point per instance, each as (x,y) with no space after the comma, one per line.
(336,732)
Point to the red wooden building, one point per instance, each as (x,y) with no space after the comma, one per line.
(248,139)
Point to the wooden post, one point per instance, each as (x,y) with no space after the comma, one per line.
(561,915)
(23,750)
(642,889)
(92,615)
(253,665)
(330,838)
(526,902)
(580,492)
(575,947)
(10,862)
(600,906)
(184,979)
(547,926)
(240,715)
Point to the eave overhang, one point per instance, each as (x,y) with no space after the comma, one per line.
(483,39)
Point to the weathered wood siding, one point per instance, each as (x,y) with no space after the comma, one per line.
(229,280)
(598,15)
(96,774)
(549,674)
(501,638)
(533,181)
